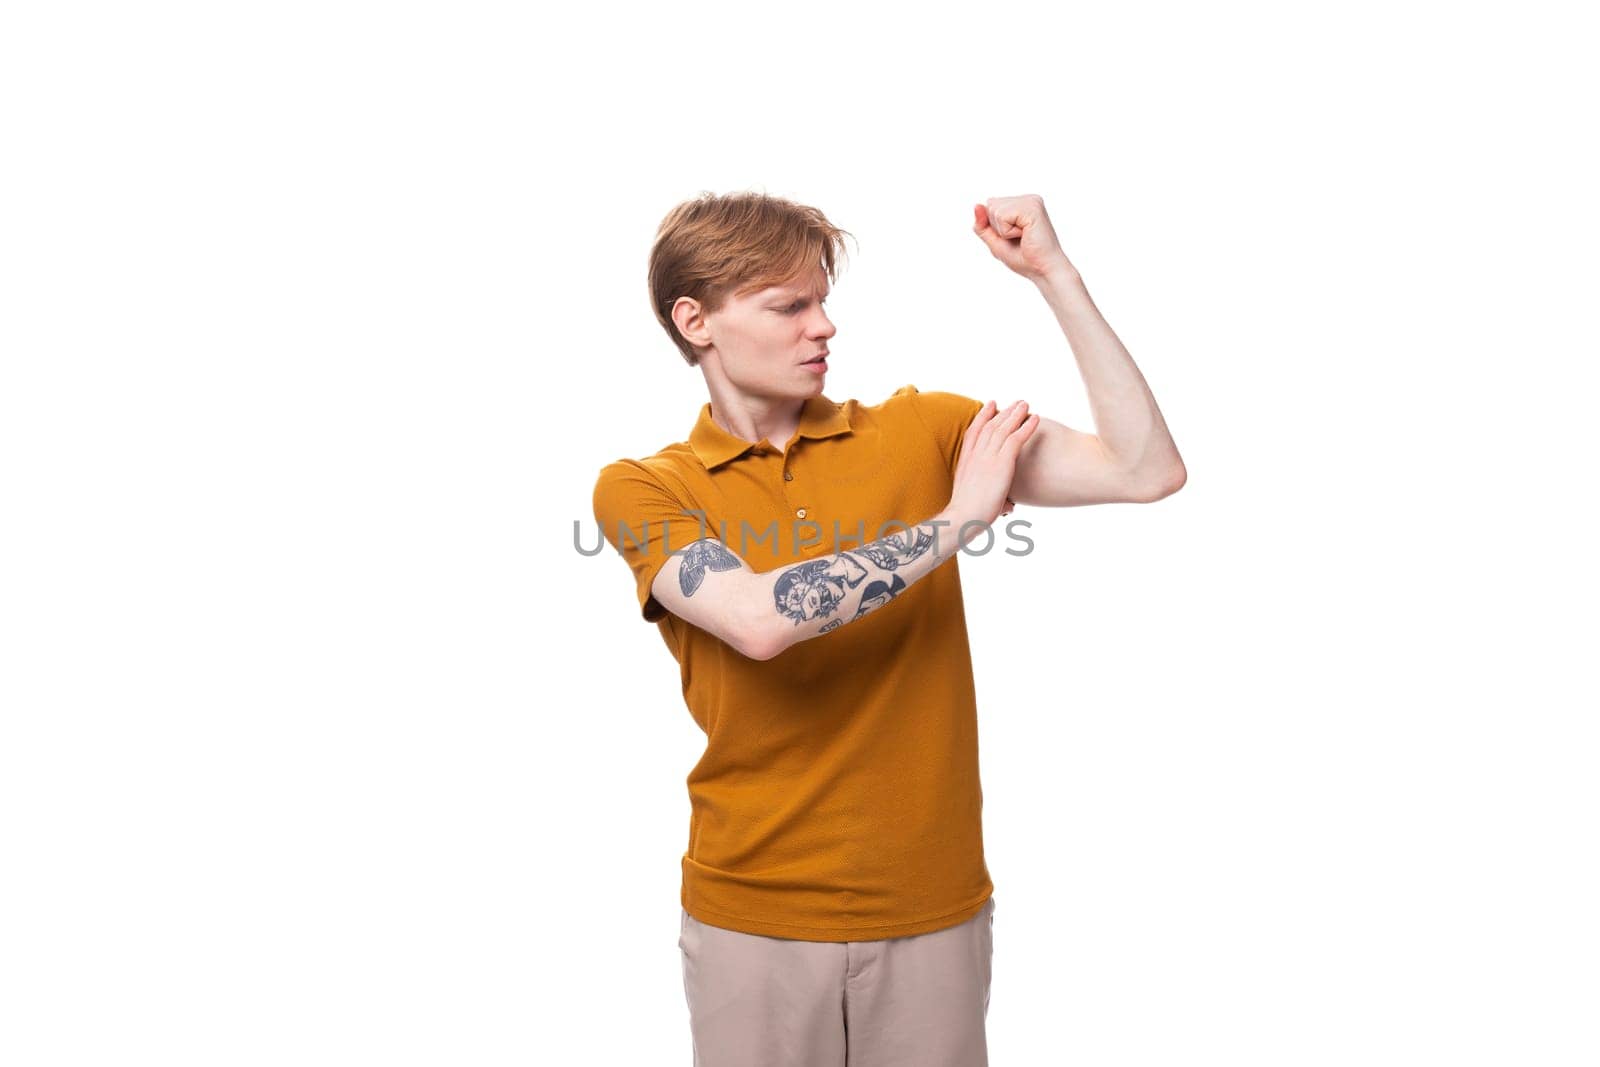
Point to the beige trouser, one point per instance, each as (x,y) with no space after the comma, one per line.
(917,1001)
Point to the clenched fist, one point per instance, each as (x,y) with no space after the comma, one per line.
(1018,232)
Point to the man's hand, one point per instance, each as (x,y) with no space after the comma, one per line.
(1018,232)
(988,462)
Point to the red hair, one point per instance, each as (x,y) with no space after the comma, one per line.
(714,247)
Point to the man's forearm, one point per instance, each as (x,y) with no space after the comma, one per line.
(1127,419)
(820,595)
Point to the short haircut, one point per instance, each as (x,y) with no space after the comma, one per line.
(714,247)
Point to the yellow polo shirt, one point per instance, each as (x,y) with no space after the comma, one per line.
(838,797)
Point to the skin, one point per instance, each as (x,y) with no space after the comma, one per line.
(751,353)
(1131,458)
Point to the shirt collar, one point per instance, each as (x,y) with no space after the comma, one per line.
(819,417)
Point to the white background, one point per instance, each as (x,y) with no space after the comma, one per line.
(322,745)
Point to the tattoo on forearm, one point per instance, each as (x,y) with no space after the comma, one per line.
(701,557)
(903,546)
(816,588)
(879,593)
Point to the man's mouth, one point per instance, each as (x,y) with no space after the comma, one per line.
(818,359)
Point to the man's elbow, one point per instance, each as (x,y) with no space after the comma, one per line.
(759,636)
(759,644)
(756,650)
(1154,489)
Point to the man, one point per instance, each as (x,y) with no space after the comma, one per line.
(836,906)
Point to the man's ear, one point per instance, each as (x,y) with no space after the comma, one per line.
(691,323)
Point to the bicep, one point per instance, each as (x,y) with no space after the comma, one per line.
(1059,466)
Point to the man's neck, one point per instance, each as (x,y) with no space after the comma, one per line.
(757,419)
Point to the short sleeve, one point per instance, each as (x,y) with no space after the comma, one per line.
(645,522)
(946,416)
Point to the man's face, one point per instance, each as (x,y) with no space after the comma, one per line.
(767,340)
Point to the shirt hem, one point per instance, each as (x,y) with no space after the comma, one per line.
(801,932)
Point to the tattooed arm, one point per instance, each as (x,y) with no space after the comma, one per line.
(763,613)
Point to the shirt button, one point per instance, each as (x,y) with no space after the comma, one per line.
(801,513)
(788,476)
